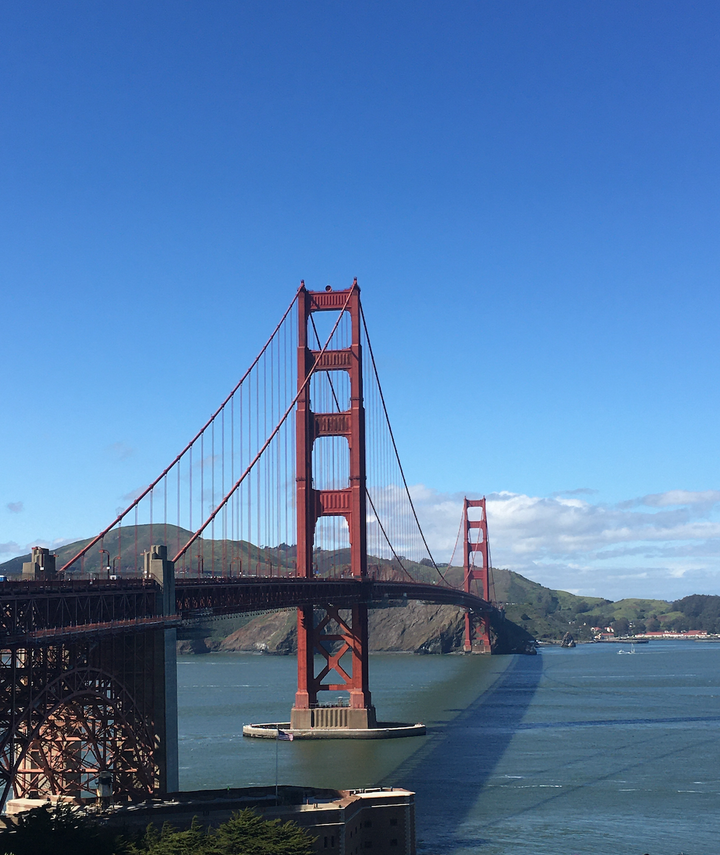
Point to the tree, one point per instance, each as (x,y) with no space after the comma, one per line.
(545,600)
(60,830)
(581,606)
(245,833)
(63,830)
(170,841)
(701,611)
(621,626)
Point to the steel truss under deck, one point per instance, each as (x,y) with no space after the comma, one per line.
(71,710)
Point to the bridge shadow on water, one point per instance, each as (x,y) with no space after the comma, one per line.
(450,770)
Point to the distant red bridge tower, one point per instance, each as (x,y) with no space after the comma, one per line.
(475,540)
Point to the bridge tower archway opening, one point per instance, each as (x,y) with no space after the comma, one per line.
(331,552)
(331,464)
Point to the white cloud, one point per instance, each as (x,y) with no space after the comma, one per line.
(682,497)
(663,545)
(120,450)
(131,496)
(9,550)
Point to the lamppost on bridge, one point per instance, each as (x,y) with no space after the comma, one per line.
(107,568)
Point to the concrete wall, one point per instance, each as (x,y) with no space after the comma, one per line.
(40,566)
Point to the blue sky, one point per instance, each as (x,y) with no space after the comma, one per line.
(527,193)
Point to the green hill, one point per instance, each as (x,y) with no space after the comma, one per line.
(206,556)
(127,545)
(548,614)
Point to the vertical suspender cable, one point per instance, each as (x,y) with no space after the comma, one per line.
(212,500)
(185,450)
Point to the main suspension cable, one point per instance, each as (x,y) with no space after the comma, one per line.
(397,455)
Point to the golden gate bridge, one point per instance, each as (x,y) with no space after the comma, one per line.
(291,495)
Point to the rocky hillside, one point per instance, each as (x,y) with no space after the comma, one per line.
(411,628)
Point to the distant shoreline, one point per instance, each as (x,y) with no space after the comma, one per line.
(638,639)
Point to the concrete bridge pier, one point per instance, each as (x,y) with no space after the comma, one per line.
(40,567)
(161,570)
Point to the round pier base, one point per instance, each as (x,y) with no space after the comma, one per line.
(383,730)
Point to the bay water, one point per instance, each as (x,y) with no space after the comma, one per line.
(592,751)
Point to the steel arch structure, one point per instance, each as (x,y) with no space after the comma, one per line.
(70,710)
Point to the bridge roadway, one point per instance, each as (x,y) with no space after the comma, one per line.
(37,613)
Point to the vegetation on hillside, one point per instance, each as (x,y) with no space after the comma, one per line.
(212,557)
(548,614)
(698,611)
(63,830)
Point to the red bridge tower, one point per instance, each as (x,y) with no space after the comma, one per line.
(477,635)
(322,629)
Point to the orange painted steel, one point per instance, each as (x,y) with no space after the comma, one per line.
(75,708)
(351,634)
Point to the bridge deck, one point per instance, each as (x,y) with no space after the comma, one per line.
(45,612)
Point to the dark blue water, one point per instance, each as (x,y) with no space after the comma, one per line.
(572,751)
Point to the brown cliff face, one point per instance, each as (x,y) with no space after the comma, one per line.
(275,632)
(417,628)
(413,628)
(196,645)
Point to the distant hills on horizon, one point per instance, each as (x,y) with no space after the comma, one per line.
(206,556)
